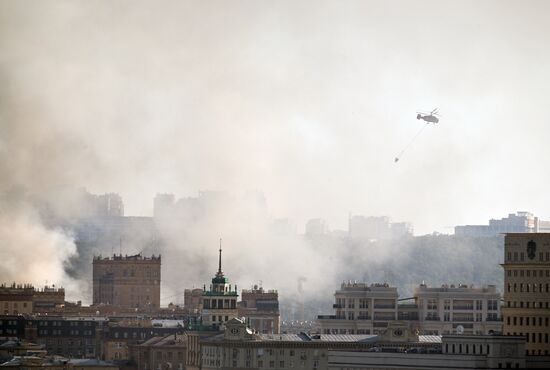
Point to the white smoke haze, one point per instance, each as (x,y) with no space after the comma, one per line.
(308,102)
(33,254)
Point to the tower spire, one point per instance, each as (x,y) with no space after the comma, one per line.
(220,273)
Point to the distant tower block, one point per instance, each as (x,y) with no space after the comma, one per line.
(127,281)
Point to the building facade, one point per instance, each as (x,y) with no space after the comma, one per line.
(127,281)
(457,309)
(526,310)
(16,299)
(360,308)
(20,299)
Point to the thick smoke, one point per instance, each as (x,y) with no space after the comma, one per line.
(33,253)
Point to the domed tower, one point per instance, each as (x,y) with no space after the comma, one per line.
(220,302)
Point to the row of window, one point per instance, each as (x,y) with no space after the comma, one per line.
(60,332)
(362,302)
(8,322)
(220,303)
(528,288)
(270,364)
(527,321)
(60,323)
(528,273)
(474,349)
(521,257)
(533,337)
(492,304)
(15,304)
(345,331)
(521,304)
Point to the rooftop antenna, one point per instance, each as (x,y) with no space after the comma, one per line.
(120,246)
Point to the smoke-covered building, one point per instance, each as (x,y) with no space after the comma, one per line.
(127,281)
(379,228)
(316,227)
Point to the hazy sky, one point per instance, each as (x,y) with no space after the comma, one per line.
(307,101)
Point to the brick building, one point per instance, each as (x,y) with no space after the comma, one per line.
(261,309)
(127,281)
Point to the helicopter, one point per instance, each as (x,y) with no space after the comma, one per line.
(429,117)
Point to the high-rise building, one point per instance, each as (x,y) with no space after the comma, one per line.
(219,303)
(526,310)
(127,281)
